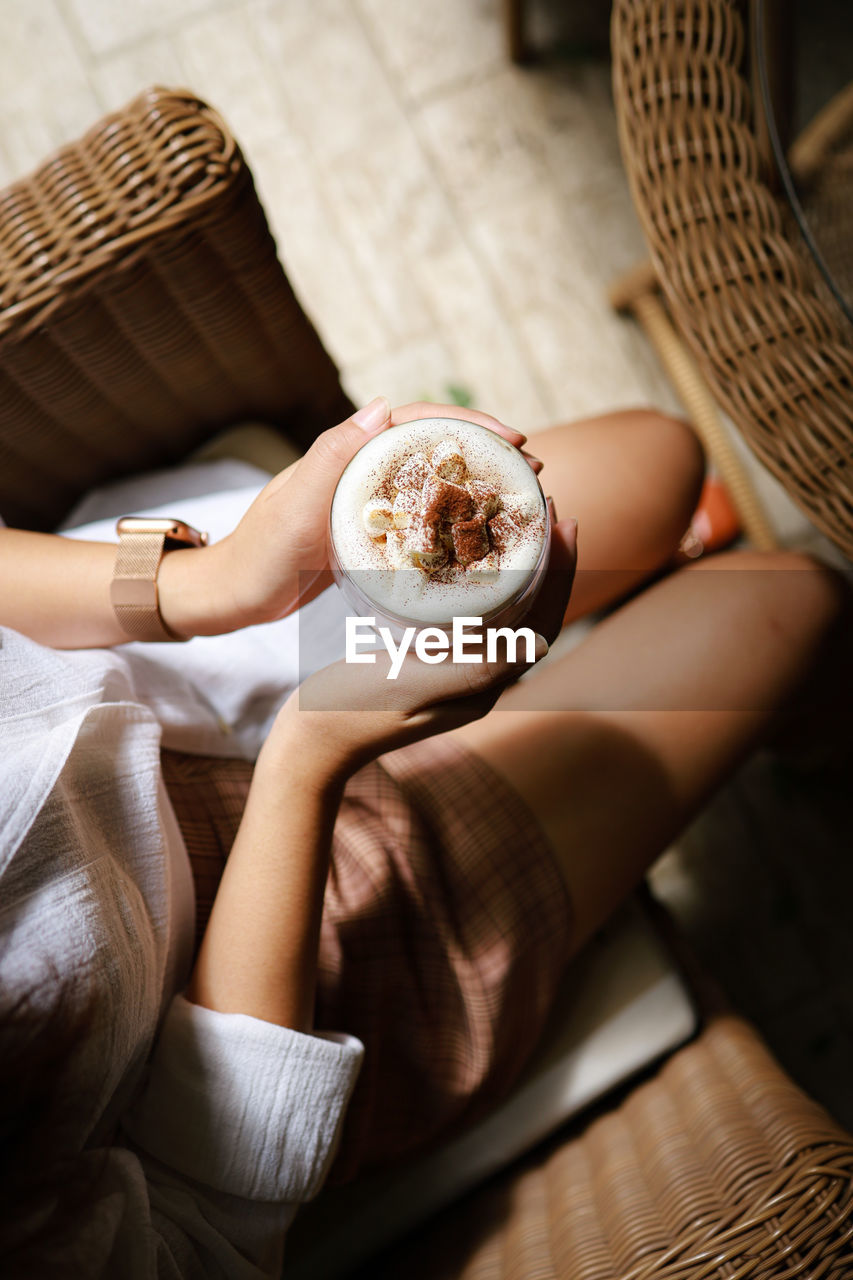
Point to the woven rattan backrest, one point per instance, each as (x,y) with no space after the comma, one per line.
(776,351)
(142,307)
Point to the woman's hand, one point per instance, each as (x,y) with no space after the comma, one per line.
(277,553)
(346,714)
(276,559)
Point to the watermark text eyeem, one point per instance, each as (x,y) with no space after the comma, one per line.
(433,644)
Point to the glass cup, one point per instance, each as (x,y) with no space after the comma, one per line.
(413,510)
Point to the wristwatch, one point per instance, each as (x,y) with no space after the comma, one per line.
(142,543)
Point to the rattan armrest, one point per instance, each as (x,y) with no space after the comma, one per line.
(142,308)
(773,346)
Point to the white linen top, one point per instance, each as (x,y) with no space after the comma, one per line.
(212,1127)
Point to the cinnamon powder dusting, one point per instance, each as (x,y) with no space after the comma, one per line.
(459,521)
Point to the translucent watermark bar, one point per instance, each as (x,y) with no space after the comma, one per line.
(704,640)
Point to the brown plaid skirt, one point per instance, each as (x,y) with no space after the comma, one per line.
(446,929)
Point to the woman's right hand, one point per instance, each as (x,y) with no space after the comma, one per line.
(346,714)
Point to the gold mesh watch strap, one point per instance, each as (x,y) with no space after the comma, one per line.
(133,591)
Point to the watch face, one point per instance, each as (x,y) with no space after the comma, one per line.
(165,525)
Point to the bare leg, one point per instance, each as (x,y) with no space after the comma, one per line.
(632,479)
(652,711)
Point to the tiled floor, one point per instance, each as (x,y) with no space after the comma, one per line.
(448,220)
(453,222)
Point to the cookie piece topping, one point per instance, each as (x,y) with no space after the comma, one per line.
(432,515)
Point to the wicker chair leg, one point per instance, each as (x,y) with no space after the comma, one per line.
(637,293)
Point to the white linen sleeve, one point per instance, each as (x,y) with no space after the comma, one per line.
(236,1124)
(247,1107)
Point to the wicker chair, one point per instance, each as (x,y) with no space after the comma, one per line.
(142,309)
(717,1167)
(752,326)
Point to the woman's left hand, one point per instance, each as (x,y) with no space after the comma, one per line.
(345,714)
(276,559)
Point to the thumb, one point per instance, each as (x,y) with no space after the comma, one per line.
(320,468)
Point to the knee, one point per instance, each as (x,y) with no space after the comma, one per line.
(668,462)
(671,445)
(801,598)
(816,595)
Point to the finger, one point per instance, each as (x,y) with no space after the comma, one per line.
(311,583)
(303,493)
(548,609)
(423,409)
(320,468)
(421,686)
(417,688)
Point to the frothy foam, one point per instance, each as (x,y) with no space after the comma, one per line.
(438,518)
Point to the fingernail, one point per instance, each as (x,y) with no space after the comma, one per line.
(552,508)
(542,646)
(373,415)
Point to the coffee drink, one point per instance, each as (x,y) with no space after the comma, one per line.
(439,518)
